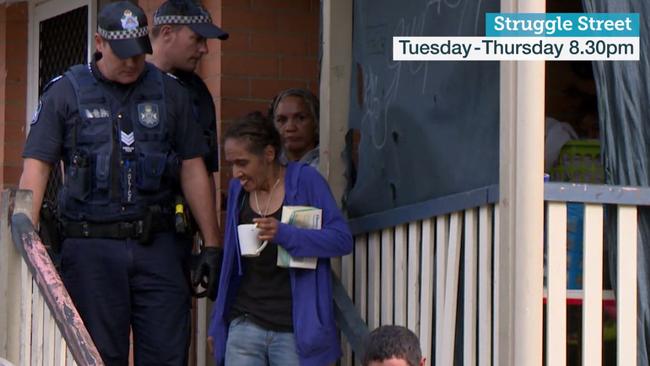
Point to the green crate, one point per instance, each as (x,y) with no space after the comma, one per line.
(579,162)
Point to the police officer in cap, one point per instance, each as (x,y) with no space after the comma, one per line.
(124,132)
(179,38)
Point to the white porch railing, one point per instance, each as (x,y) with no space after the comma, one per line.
(432,271)
(435,275)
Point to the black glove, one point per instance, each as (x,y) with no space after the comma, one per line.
(207,270)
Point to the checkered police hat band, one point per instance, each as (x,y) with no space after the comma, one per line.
(181,19)
(122,34)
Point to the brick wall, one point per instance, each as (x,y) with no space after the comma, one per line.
(13,90)
(273,45)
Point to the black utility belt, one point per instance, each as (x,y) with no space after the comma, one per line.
(138,229)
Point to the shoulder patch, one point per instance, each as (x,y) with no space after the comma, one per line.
(50,83)
(37,112)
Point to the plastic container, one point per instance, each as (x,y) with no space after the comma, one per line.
(579,162)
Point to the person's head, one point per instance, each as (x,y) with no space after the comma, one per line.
(122,39)
(252,146)
(392,345)
(295,114)
(180,32)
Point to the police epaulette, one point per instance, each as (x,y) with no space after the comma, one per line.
(50,83)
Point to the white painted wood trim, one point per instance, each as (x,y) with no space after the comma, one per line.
(485,286)
(347,279)
(49,327)
(413,287)
(25,315)
(556,284)
(374,279)
(442,238)
(387,269)
(361,275)
(451,289)
(427,287)
(401,242)
(470,289)
(336,70)
(201,331)
(37,326)
(497,327)
(592,310)
(626,320)
(59,349)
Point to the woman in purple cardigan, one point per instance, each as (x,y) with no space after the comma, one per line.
(264,314)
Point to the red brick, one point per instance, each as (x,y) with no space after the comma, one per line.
(233,109)
(11,175)
(237,42)
(16,53)
(245,20)
(288,44)
(214,86)
(235,87)
(313,45)
(314,87)
(17,32)
(268,88)
(17,12)
(15,91)
(236,4)
(13,150)
(14,131)
(15,111)
(298,68)
(249,65)
(282,5)
(298,24)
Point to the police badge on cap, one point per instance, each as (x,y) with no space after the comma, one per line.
(124,26)
(148,114)
(129,21)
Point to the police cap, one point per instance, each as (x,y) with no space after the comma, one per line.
(191,14)
(124,26)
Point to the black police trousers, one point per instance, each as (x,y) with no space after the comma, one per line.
(121,284)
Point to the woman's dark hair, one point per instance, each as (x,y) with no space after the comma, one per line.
(310,100)
(258,130)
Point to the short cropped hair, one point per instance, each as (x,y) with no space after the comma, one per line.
(392,341)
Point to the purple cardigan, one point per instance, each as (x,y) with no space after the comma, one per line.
(313,308)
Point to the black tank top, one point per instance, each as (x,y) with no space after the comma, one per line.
(264,294)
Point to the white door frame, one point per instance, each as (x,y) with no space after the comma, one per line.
(39,11)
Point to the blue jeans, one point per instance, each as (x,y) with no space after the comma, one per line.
(250,345)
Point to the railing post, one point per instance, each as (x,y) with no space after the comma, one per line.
(336,69)
(9,283)
(519,254)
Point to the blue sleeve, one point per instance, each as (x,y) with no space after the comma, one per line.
(333,239)
(47,129)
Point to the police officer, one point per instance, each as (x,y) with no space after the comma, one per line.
(179,38)
(124,132)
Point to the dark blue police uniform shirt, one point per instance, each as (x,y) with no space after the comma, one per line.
(206,110)
(58,109)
